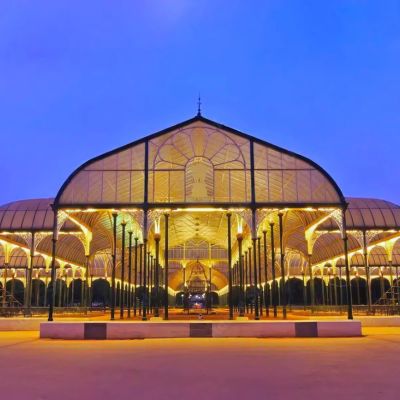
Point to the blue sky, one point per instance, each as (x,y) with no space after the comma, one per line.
(78,78)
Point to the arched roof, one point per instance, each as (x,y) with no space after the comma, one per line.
(365,213)
(28,215)
(166,163)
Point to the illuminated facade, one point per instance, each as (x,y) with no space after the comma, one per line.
(199,211)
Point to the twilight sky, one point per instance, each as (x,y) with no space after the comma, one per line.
(78,78)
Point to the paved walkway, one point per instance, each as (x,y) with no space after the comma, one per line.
(346,368)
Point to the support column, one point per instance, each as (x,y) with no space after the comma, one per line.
(256,309)
(130,233)
(358,287)
(323,286)
(246,281)
(274,286)
(45,289)
(12,287)
(166,261)
(259,277)
(37,289)
(341,289)
(185,303)
(135,278)
(86,282)
(266,287)
(114,265)
(304,288)
(145,295)
(72,289)
(122,292)
(312,287)
(280,215)
(60,286)
(156,275)
(53,266)
(141,258)
(335,287)
(28,289)
(382,284)
(241,302)
(249,264)
(367,272)
(210,299)
(4,289)
(230,297)
(330,291)
(348,283)
(150,280)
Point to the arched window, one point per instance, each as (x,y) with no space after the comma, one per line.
(199,180)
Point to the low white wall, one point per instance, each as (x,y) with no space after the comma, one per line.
(254,329)
(62,330)
(140,330)
(184,329)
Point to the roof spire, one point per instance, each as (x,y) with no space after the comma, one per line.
(199,106)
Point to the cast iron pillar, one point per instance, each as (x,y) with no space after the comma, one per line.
(53,266)
(346,260)
(135,278)
(256,310)
(266,287)
(239,237)
(141,278)
(156,275)
(367,274)
(259,276)
(122,292)
(145,294)
(230,297)
(312,288)
(273,286)
(282,251)
(166,244)
(130,233)
(114,265)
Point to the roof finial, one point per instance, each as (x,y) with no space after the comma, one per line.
(199,106)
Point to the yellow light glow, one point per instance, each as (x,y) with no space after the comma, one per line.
(157,226)
(239,221)
(200,209)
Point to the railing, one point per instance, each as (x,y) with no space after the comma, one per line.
(391,297)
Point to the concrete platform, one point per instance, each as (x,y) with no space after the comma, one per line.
(201,329)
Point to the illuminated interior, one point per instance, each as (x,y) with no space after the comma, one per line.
(197,173)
